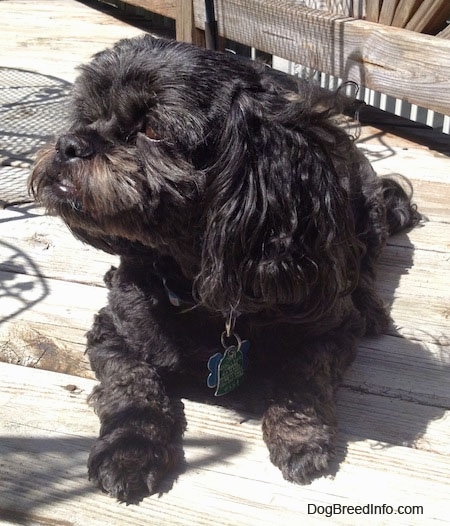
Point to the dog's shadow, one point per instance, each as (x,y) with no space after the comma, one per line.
(396,386)
(203,453)
(398,380)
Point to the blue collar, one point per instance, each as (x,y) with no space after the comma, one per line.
(175,300)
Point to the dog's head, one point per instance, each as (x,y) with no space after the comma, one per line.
(219,163)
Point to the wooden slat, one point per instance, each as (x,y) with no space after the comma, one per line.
(373,8)
(400,63)
(408,316)
(185,27)
(47,430)
(185,21)
(35,244)
(402,369)
(445,33)
(162,7)
(181,11)
(415,163)
(393,421)
(409,272)
(404,12)
(50,39)
(387,12)
(44,322)
(429,15)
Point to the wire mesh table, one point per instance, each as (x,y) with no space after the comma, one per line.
(33,109)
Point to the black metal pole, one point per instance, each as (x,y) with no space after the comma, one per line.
(211,33)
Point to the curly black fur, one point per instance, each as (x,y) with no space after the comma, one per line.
(232,186)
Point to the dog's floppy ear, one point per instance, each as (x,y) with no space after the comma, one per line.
(277,216)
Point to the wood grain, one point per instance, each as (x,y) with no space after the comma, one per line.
(162,7)
(373,8)
(387,12)
(50,44)
(404,12)
(431,14)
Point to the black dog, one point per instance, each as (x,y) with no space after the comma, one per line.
(248,226)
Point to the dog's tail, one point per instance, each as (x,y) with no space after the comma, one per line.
(401,213)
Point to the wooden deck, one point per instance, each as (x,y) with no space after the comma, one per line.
(394,405)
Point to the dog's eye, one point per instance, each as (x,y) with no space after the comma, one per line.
(151,133)
(146,130)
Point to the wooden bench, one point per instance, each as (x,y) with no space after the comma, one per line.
(405,64)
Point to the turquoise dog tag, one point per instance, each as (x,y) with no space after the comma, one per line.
(227,369)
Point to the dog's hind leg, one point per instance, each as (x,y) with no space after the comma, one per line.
(400,212)
(389,211)
(141,427)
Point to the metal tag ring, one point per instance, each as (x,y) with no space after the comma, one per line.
(225,336)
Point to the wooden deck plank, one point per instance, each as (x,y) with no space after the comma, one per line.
(402,369)
(49,37)
(47,429)
(39,245)
(44,321)
(418,164)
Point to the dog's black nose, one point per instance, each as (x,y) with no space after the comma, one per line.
(73,146)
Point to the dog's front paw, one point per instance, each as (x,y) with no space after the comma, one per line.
(130,468)
(301,464)
(300,444)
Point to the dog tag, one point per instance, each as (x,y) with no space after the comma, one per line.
(227,369)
